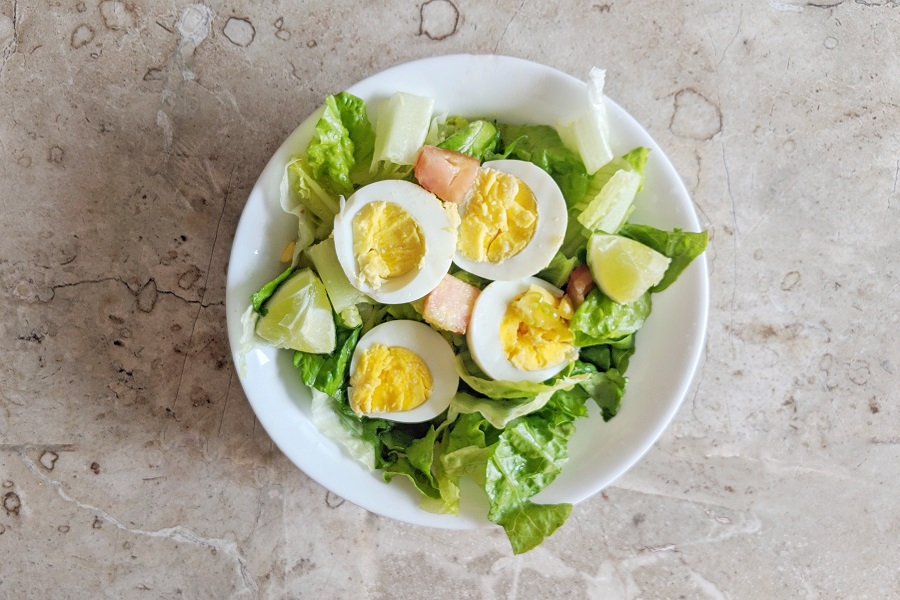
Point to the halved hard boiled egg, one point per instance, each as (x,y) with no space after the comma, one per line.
(519,330)
(394,240)
(512,223)
(403,371)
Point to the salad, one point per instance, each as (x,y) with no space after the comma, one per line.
(459,290)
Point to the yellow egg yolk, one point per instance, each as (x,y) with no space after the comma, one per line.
(500,217)
(534,332)
(387,242)
(389,379)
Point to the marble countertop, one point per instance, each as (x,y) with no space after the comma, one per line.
(131,464)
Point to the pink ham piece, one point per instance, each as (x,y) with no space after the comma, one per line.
(449,305)
(580,284)
(446,173)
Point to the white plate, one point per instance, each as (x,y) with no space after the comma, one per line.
(668,347)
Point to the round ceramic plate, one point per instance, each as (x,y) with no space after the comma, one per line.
(669,345)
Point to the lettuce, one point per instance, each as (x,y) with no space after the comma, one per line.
(541,145)
(608,199)
(588,133)
(499,412)
(530,453)
(327,418)
(259,297)
(599,320)
(475,379)
(331,150)
(478,138)
(400,129)
(328,372)
(302,195)
(341,150)
(680,246)
(558,271)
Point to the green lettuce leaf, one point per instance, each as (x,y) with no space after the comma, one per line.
(478,381)
(529,454)
(528,524)
(558,271)
(478,138)
(414,462)
(356,120)
(258,298)
(681,246)
(599,320)
(331,150)
(499,412)
(315,206)
(541,145)
(328,372)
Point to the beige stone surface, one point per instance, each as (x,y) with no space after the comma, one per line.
(131,464)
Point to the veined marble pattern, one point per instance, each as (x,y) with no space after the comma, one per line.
(131,465)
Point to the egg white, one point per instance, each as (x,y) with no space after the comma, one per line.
(434,351)
(483,335)
(549,232)
(433,220)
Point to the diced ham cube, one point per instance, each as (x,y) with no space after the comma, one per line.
(445,173)
(449,305)
(580,284)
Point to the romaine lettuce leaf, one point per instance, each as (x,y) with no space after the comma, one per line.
(478,381)
(541,145)
(328,372)
(356,120)
(599,320)
(478,138)
(331,150)
(414,462)
(588,132)
(558,271)
(527,524)
(499,412)
(680,246)
(259,297)
(303,196)
(326,417)
(530,453)
(400,128)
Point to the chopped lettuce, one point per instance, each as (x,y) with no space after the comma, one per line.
(541,145)
(328,372)
(341,293)
(558,271)
(248,333)
(530,453)
(400,128)
(588,133)
(680,246)
(302,195)
(600,320)
(326,418)
(473,377)
(478,138)
(259,297)
(499,412)
(331,150)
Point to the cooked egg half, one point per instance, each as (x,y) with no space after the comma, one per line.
(512,223)
(403,371)
(394,240)
(519,330)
